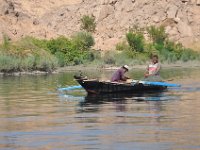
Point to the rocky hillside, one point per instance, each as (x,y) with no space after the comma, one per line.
(50,18)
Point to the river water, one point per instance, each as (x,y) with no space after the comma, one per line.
(34,115)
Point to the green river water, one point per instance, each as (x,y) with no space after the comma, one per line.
(34,115)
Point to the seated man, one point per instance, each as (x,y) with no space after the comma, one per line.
(118,76)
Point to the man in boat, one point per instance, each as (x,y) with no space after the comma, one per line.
(153,69)
(119,75)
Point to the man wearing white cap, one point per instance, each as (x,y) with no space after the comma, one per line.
(118,76)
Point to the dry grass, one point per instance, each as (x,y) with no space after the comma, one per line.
(195,46)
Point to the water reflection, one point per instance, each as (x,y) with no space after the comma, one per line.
(112,97)
(92,102)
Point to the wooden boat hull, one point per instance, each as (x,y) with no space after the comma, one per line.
(99,87)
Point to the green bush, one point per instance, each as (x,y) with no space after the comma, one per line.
(33,43)
(109,58)
(7,63)
(92,55)
(159,47)
(88,23)
(22,56)
(121,46)
(122,58)
(26,64)
(64,49)
(61,59)
(72,51)
(130,57)
(130,54)
(135,41)
(78,60)
(60,44)
(139,49)
(170,46)
(172,58)
(188,54)
(83,41)
(6,42)
(10,63)
(150,49)
(157,34)
(34,54)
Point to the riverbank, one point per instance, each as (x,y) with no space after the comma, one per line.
(190,64)
(99,67)
(41,56)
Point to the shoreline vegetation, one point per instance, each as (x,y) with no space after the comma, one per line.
(30,55)
(78,68)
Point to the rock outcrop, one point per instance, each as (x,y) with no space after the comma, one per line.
(47,18)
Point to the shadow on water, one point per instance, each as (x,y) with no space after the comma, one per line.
(139,97)
(114,97)
(91,103)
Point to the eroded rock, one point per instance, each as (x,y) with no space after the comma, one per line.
(47,19)
(184,29)
(198,2)
(105,11)
(172,11)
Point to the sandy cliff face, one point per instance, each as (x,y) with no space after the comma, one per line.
(50,18)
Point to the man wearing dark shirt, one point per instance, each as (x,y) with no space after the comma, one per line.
(118,76)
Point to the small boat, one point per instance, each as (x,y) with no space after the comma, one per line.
(95,86)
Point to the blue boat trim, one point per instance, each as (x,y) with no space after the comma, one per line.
(155,83)
(70,88)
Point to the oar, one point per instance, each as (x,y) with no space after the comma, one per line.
(156,83)
(70,88)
